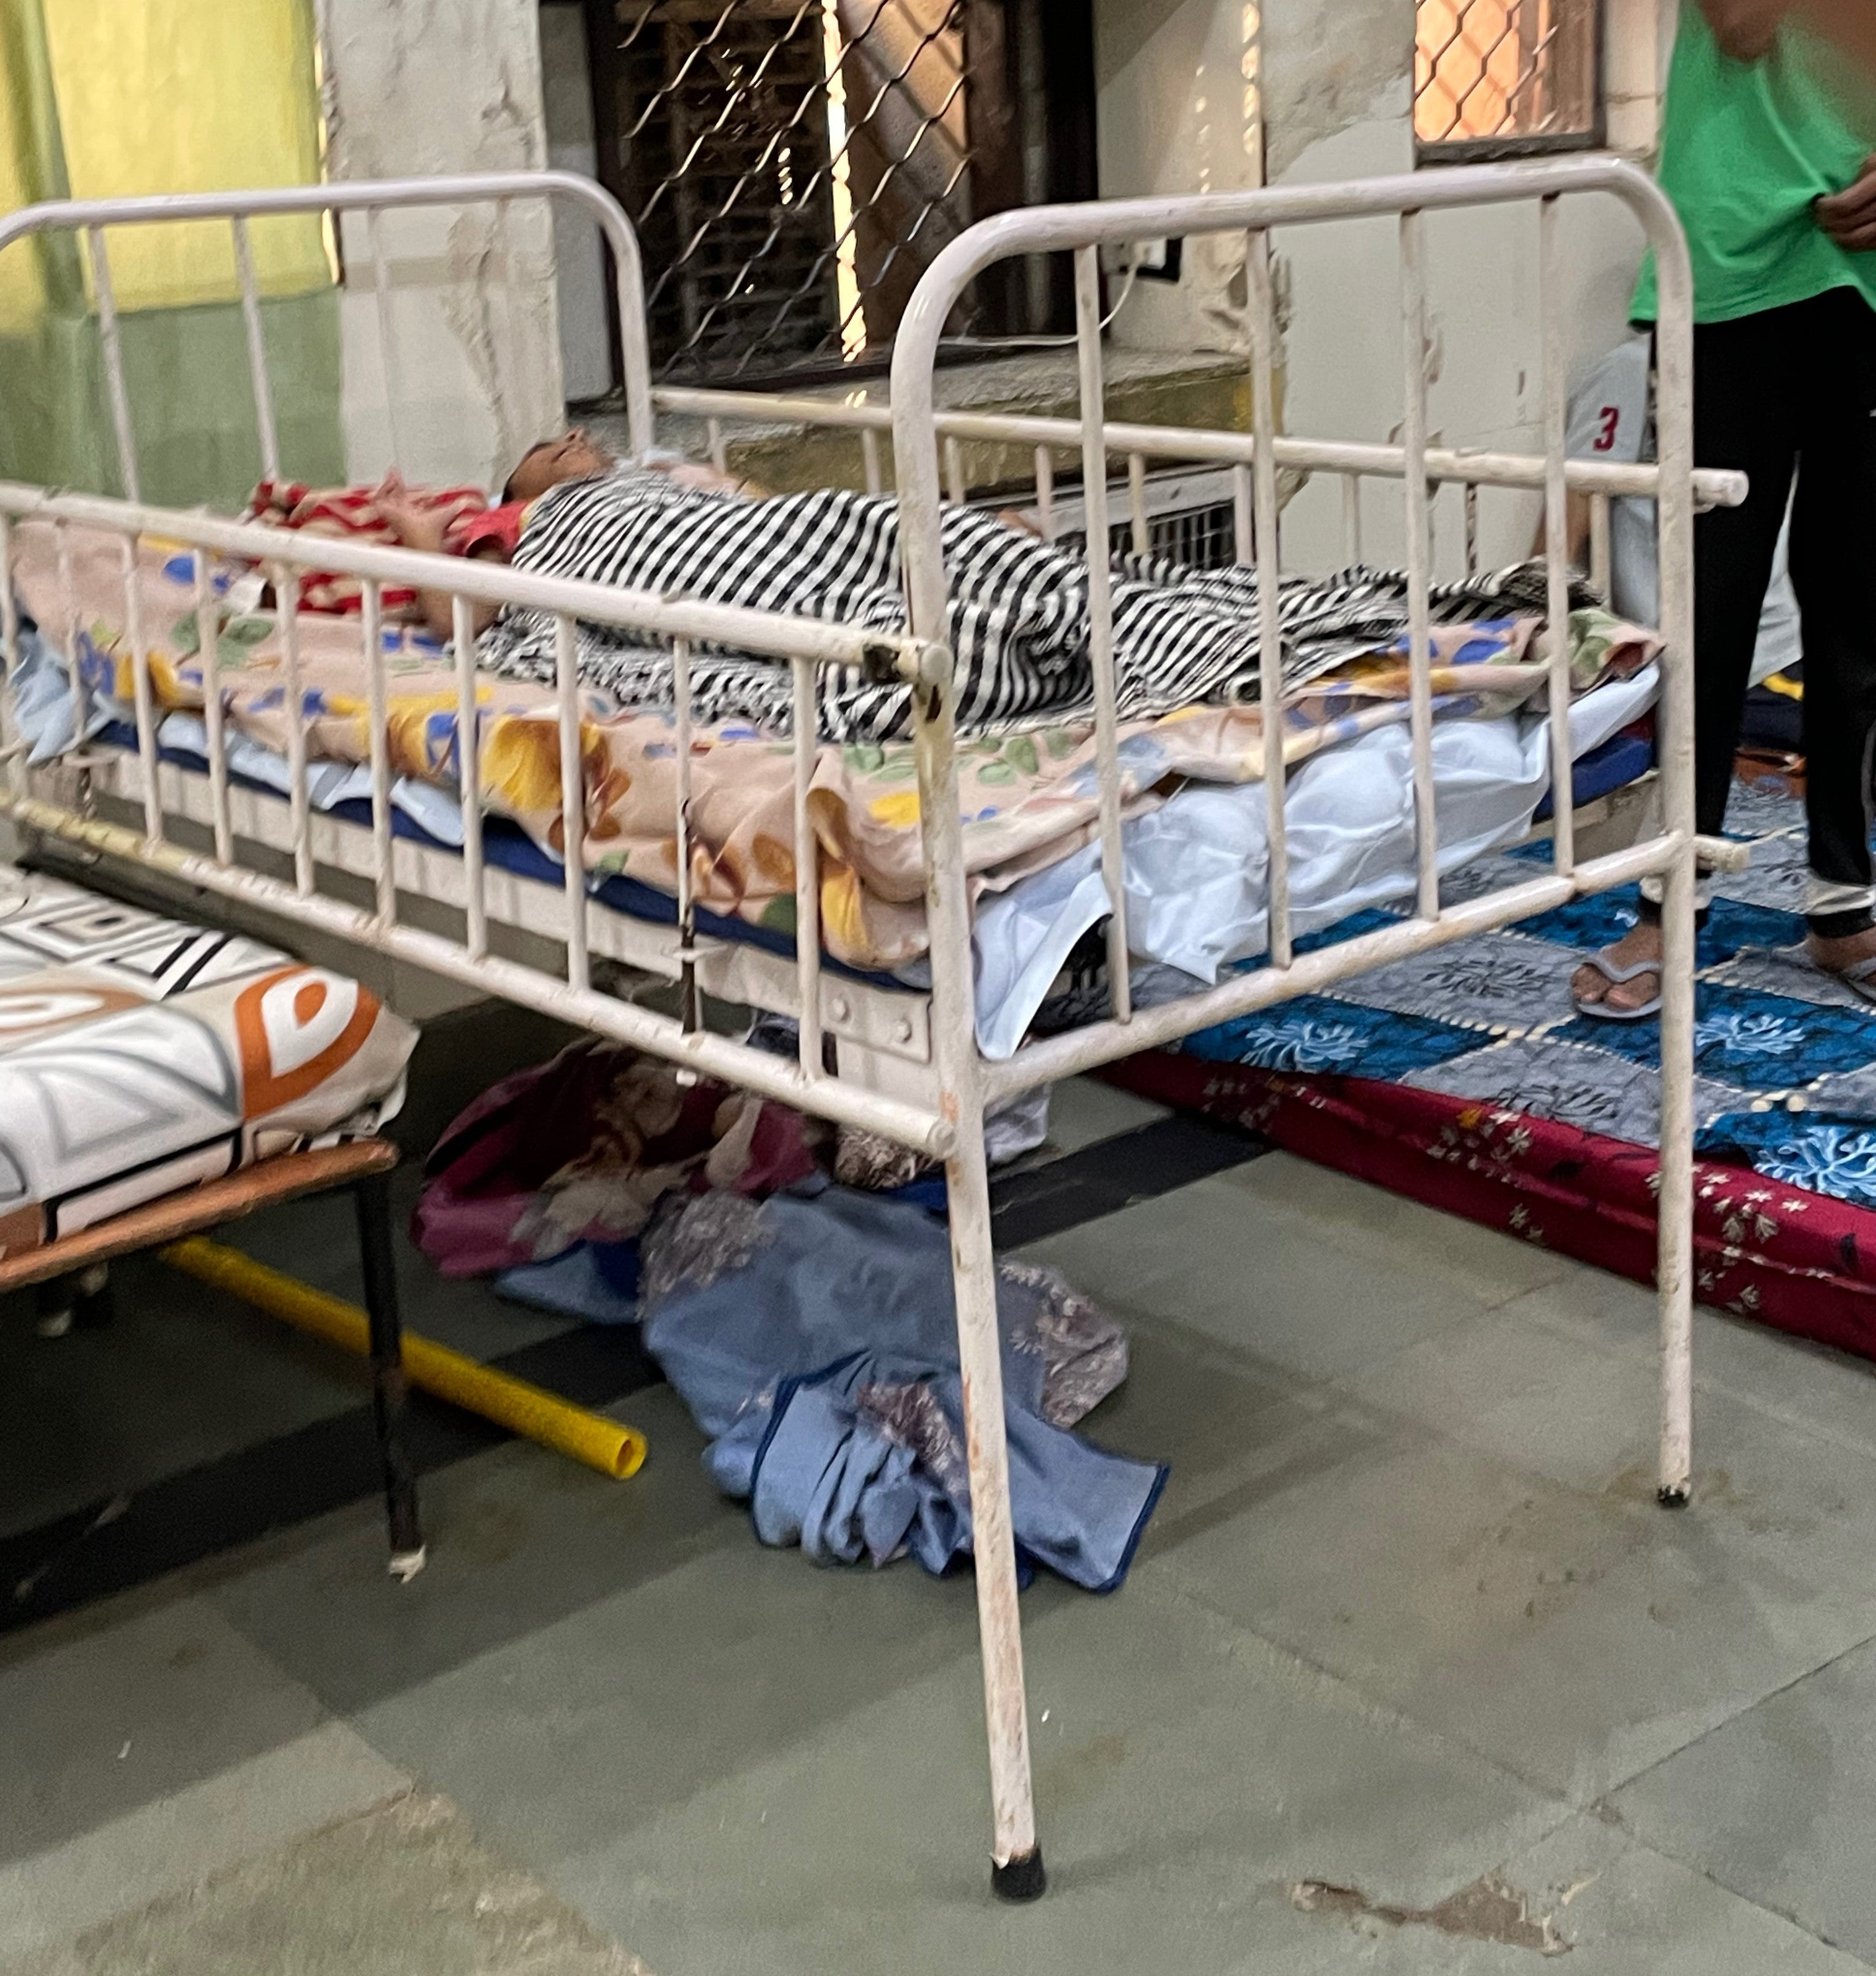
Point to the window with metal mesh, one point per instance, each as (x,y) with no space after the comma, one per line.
(1191,518)
(1498,78)
(792,167)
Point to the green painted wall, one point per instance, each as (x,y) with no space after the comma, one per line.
(192,405)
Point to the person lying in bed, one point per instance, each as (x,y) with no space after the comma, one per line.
(1019,609)
(494,535)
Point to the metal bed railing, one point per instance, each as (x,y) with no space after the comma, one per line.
(939,1106)
(372,198)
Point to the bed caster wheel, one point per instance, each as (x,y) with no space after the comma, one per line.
(1021,1879)
(1678,1497)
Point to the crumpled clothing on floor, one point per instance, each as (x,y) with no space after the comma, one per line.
(813,1340)
(582,1149)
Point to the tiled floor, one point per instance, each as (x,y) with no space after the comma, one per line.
(1412,1674)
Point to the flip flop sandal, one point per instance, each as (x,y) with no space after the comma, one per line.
(1859,977)
(1600,1012)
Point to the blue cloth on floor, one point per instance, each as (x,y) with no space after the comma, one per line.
(815,1341)
(597,1281)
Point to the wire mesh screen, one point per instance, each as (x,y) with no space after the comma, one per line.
(1191,518)
(793,166)
(1498,77)
(1201,538)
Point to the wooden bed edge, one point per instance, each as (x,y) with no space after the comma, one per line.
(191,1210)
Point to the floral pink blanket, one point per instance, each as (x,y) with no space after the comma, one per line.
(1027,799)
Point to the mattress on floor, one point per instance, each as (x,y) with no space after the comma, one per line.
(1465,1079)
(139,1054)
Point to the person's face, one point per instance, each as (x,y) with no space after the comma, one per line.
(572,457)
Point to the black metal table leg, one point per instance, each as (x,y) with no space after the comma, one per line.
(388,1374)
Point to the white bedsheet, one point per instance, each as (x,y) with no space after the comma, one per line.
(1197,868)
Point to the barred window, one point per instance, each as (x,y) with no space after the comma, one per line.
(793,166)
(1506,78)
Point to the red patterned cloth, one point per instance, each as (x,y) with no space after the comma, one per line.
(351,514)
(1797,1260)
(583,1149)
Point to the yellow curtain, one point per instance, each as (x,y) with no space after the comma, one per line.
(111,98)
(32,167)
(190,96)
(22,283)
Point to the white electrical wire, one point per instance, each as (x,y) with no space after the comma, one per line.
(1043,342)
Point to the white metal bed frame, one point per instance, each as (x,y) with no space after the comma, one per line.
(907,1066)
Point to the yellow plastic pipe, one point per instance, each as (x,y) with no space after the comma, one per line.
(529,1411)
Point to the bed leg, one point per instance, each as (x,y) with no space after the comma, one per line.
(1674,1271)
(387,1374)
(1016,1871)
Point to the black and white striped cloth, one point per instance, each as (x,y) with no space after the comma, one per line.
(1018,609)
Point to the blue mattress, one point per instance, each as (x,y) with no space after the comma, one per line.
(1621,759)
(508,848)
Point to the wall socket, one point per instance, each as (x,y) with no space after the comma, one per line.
(1151,260)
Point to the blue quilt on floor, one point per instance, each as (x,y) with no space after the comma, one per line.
(1785,1057)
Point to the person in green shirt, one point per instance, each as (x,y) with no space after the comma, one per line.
(1775,185)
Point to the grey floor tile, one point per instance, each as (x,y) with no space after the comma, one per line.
(1776,1804)
(1185,1774)
(1818,1390)
(1534,1383)
(101,1715)
(169,1846)
(1588,1891)
(1208,1410)
(1254,1258)
(1390,1232)
(1563,1381)
(1082,1111)
(185,1374)
(580,1730)
(1576,1636)
(405,1889)
(519,1538)
(182,1375)
(1627,1910)
(1612,1905)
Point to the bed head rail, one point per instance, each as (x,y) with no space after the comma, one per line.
(93,218)
(917,431)
(1670,855)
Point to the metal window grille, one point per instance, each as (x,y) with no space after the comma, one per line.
(1499,78)
(792,167)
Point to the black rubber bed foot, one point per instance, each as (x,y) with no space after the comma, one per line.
(1673,1499)
(1023,1879)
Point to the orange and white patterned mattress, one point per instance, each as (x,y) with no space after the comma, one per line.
(139,1055)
